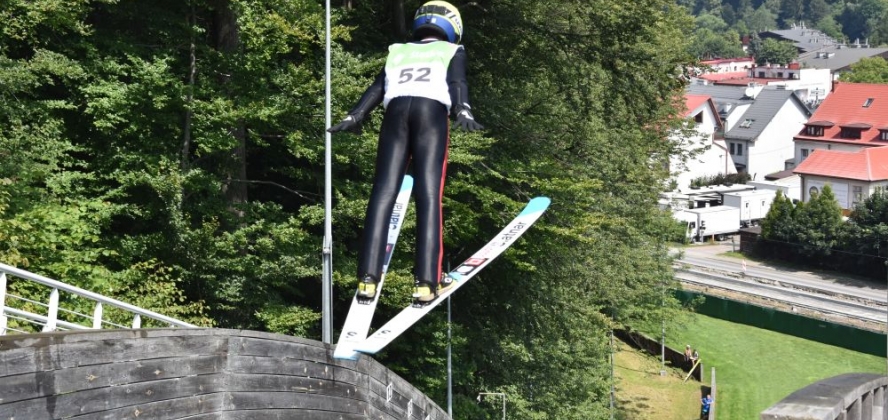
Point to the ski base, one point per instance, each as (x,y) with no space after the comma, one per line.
(357,322)
(461,275)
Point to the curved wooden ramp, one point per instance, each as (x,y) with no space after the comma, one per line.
(196,374)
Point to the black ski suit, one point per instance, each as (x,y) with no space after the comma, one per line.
(413,127)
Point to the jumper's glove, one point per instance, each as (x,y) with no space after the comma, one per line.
(350,123)
(466,121)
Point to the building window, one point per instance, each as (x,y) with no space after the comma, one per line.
(856,194)
(851,133)
(698,118)
(739,149)
(732,148)
(780,74)
(813,130)
(812,192)
(883,135)
(761,74)
(747,123)
(868,102)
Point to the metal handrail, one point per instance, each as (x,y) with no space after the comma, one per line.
(50,321)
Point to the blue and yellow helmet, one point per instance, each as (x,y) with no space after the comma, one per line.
(440,17)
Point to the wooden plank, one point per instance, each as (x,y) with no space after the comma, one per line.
(108,351)
(219,415)
(110,399)
(64,381)
(293,367)
(315,386)
(21,360)
(161,410)
(248,346)
(293,400)
(279,414)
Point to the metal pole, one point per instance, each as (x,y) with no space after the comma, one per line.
(663,349)
(327,281)
(663,321)
(612,390)
(449,365)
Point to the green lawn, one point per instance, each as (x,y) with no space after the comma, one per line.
(756,368)
(642,394)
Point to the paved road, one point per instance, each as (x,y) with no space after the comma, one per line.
(833,293)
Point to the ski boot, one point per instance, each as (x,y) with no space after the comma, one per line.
(425,292)
(367,289)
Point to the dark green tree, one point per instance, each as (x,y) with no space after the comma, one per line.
(817,10)
(776,52)
(818,224)
(867,70)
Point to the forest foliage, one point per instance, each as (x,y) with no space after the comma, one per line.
(720,24)
(170,154)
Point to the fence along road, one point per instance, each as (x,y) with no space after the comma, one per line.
(821,292)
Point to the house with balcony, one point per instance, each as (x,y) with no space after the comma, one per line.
(852,118)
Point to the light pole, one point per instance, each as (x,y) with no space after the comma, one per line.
(495,393)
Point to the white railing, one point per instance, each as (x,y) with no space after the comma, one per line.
(13,307)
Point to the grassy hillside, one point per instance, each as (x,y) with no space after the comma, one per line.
(756,368)
(643,394)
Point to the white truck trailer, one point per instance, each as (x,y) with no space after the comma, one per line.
(753,205)
(716,221)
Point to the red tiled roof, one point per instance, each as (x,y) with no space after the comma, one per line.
(719,77)
(692,102)
(870,164)
(727,60)
(844,107)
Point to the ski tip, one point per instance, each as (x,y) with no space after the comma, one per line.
(346,355)
(407,183)
(538,204)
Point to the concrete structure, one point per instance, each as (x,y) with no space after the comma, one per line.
(852,396)
(205,374)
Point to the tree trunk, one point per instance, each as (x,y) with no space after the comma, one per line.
(227,40)
(189,101)
(399,19)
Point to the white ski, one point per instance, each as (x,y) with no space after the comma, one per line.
(461,275)
(357,322)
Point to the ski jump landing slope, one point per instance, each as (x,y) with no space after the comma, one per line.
(196,374)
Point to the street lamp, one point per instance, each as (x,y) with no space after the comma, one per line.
(495,393)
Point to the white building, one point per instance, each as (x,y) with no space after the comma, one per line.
(708,154)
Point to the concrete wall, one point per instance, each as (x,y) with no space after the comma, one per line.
(198,374)
(852,396)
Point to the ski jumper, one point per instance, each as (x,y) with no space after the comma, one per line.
(417,87)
